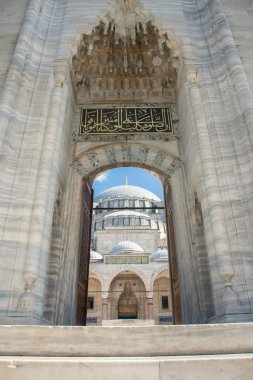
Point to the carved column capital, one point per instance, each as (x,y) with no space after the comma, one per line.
(192,77)
(78,166)
(60,75)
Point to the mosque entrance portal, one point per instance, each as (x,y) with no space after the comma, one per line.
(125,80)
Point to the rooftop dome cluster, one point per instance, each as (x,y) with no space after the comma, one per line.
(131,247)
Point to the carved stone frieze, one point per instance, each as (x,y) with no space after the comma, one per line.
(143,153)
(175,165)
(95,161)
(92,156)
(126,153)
(158,160)
(110,155)
(77,165)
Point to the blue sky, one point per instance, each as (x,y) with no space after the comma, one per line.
(135,176)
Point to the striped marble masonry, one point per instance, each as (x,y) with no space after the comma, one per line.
(42,166)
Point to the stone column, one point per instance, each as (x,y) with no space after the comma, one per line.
(235,66)
(213,196)
(104,309)
(150,308)
(44,198)
(14,76)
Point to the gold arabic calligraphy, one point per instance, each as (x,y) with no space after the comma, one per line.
(126,120)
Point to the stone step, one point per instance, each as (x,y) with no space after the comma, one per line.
(125,341)
(192,352)
(206,367)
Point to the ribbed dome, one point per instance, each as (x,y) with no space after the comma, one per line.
(160,255)
(95,256)
(126,191)
(126,246)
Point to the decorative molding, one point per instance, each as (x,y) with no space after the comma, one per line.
(110,154)
(77,165)
(143,153)
(104,157)
(126,153)
(60,74)
(158,160)
(92,156)
(174,166)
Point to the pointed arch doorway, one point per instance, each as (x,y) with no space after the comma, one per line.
(125,60)
(128,303)
(127,307)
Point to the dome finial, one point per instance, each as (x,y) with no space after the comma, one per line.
(126,179)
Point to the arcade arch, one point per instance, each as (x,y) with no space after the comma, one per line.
(127,296)
(144,278)
(94,300)
(162,303)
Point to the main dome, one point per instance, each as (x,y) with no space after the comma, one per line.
(126,191)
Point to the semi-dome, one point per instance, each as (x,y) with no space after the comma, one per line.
(126,246)
(127,191)
(95,256)
(160,255)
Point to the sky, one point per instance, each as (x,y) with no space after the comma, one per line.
(135,177)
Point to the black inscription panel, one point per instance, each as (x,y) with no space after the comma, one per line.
(124,120)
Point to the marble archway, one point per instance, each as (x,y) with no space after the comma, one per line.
(93,161)
(159,154)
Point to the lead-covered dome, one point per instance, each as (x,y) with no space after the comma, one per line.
(127,191)
(126,246)
(95,256)
(160,255)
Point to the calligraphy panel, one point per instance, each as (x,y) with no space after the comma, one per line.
(126,260)
(126,120)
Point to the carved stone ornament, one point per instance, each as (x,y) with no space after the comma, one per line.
(125,57)
(79,168)
(174,166)
(60,75)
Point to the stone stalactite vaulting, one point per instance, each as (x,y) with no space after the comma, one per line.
(125,57)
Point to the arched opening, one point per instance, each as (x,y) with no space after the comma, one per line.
(128,232)
(94,301)
(127,297)
(162,298)
(128,303)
